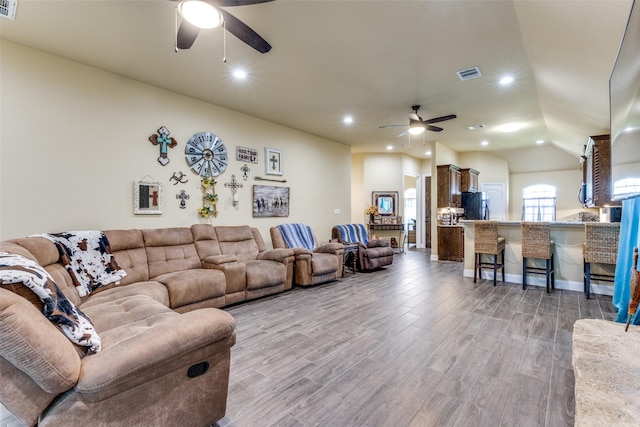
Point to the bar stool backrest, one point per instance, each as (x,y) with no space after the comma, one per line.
(486,237)
(536,240)
(601,242)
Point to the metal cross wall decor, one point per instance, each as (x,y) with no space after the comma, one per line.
(234,186)
(183,196)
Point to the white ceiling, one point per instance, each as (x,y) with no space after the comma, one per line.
(372,60)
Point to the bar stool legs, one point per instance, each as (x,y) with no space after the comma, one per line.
(549,272)
(477,270)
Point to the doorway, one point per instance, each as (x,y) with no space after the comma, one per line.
(497,205)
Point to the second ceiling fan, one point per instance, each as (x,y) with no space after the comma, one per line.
(417,124)
(189,28)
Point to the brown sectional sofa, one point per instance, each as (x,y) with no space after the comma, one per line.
(165,346)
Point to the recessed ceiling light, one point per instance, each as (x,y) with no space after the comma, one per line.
(540,141)
(478,126)
(347,120)
(428,153)
(240,74)
(506,80)
(484,143)
(389,147)
(510,127)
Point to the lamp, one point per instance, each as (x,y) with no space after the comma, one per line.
(201,14)
(416,129)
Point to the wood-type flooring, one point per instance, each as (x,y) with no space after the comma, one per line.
(414,344)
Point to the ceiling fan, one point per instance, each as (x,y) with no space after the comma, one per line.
(417,125)
(193,14)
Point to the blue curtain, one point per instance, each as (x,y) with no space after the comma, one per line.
(629,239)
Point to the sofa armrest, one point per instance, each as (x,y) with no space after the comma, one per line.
(219,259)
(280,255)
(330,248)
(155,351)
(301,251)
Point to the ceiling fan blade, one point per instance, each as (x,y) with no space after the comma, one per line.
(434,128)
(230,3)
(187,34)
(403,133)
(441,119)
(244,33)
(391,126)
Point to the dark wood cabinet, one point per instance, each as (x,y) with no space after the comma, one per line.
(596,172)
(451,243)
(449,195)
(469,180)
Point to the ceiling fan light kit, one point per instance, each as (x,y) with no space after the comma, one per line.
(201,14)
(416,130)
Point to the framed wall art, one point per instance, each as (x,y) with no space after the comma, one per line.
(269,200)
(273,161)
(147,198)
(386,201)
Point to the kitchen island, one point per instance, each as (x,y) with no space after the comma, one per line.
(568,237)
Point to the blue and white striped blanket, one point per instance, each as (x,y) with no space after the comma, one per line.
(353,233)
(298,236)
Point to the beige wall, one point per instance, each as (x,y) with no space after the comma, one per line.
(73,139)
(567,184)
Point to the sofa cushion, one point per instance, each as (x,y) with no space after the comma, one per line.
(191,286)
(238,240)
(170,250)
(263,274)
(204,236)
(128,248)
(46,254)
(150,288)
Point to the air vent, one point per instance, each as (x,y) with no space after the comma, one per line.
(469,73)
(8,8)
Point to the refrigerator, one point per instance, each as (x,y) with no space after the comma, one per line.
(475,205)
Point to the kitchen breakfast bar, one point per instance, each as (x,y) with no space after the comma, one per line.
(568,237)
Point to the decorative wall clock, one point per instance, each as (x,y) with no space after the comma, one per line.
(206,154)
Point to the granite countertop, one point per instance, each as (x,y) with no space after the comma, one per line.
(517,223)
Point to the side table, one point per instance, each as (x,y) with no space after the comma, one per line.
(350,257)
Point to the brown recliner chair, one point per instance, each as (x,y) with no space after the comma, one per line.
(313,263)
(372,254)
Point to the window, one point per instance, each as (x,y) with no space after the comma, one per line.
(626,186)
(539,203)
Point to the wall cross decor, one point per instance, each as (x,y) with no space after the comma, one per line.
(245,170)
(234,186)
(183,197)
(165,142)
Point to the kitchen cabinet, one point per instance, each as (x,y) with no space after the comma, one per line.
(469,180)
(450,243)
(449,193)
(596,172)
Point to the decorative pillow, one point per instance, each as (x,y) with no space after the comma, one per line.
(87,257)
(56,307)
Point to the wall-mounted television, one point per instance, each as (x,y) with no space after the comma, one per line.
(624,97)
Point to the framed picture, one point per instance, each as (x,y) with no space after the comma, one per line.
(147,198)
(273,161)
(245,154)
(386,201)
(269,200)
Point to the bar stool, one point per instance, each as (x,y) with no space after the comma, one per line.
(600,247)
(486,241)
(537,243)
